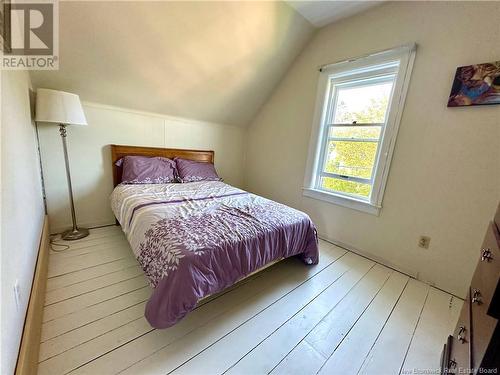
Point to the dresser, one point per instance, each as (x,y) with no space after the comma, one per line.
(474,347)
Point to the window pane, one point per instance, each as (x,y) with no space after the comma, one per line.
(351,158)
(349,187)
(355,132)
(363,104)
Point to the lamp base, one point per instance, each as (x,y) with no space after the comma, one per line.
(74,234)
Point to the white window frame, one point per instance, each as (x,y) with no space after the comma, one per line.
(353,68)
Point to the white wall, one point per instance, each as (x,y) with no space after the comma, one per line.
(214,61)
(90,156)
(445,175)
(22,209)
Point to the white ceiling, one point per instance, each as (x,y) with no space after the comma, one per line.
(209,61)
(321,13)
(212,61)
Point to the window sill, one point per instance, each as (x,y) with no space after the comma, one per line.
(341,200)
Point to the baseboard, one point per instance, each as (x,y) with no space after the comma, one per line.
(88,225)
(27,361)
(384,262)
(368,256)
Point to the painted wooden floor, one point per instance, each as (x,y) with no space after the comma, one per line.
(347,315)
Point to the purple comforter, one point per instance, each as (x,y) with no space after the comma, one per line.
(196,239)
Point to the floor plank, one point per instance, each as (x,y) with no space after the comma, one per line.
(95,239)
(87,286)
(340,316)
(168,359)
(327,334)
(302,361)
(75,277)
(221,355)
(80,302)
(85,261)
(77,356)
(91,314)
(60,247)
(268,353)
(85,333)
(398,332)
(168,348)
(100,232)
(330,332)
(437,321)
(101,244)
(350,353)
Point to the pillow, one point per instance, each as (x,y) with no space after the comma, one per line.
(147,170)
(189,171)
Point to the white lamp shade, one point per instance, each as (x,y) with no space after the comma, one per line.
(59,107)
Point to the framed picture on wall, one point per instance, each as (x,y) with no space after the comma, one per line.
(476,85)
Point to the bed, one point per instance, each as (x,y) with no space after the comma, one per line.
(196,239)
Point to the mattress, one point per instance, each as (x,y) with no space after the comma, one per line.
(196,239)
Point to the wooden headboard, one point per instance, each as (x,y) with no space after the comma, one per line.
(119,151)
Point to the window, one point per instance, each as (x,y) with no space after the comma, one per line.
(357,116)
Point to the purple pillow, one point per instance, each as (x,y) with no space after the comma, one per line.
(189,171)
(147,170)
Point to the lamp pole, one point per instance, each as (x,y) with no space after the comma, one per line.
(75,233)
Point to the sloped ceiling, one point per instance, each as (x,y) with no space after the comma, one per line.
(321,13)
(211,61)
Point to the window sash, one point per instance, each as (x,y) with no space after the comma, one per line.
(346,178)
(323,173)
(370,71)
(398,61)
(373,140)
(348,82)
(356,124)
(369,79)
(352,139)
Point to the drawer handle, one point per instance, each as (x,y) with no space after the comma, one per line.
(461,335)
(452,363)
(476,296)
(486,255)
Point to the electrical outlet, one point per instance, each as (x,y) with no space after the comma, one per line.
(424,242)
(17,294)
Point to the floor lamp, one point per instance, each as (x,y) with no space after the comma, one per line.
(62,108)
